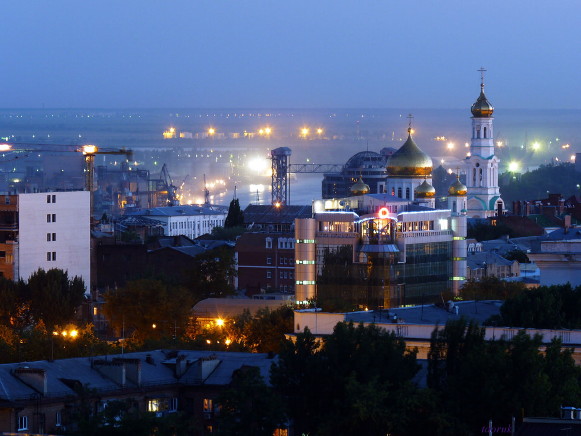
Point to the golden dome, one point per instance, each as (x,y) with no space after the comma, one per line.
(458,189)
(360,187)
(482,107)
(409,161)
(425,190)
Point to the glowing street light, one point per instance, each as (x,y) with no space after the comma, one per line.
(5,147)
(319,131)
(536,146)
(268,130)
(573,157)
(211,131)
(450,145)
(514,167)
(499,143)
(89,149)
(304,132)
(219,322)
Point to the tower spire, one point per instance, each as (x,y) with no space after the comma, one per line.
(410,117)
(482,71)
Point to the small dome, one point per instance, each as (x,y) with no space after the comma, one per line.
(425,190)
(458,189)
(409,161)
(482,107)
(360,187)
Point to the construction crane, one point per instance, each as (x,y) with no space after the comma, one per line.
(172,199)
(281,168)
(88,151)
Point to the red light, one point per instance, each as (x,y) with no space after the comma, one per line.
(383,212)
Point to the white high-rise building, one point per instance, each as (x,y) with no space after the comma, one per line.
(482,164)
(45,230)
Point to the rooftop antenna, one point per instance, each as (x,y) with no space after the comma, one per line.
(257,197)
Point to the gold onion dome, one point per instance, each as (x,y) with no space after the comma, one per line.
(425,190)
(409,160)
(360,187)
(458,189)
(482,107)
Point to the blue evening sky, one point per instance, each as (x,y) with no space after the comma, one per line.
(293,53)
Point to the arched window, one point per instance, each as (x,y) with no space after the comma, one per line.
(478,133)
(407,193)
(485,132)
(473,176)
(399,192)
(454,206)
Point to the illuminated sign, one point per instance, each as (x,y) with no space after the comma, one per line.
(383,212)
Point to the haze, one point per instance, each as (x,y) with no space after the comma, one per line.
(277,54)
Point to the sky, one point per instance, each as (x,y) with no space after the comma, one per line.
(289,54)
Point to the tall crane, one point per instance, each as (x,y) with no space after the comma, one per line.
(88,151)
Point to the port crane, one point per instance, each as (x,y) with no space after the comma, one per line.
(89,152)
(281,168)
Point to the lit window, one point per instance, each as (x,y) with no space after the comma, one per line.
(268,274)
(269,260)
(22,423)
(208,404)
(58,420)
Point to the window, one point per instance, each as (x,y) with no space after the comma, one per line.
(54,255)
(48,198)
(268,274)
(208,405)
(48,256)
(268,242)
(7,200)
(48,218)
(2,253)
(54,217)
(281,274)
(58,420)
(399,192)
(269,260)
(54,236)
(22,423)
(54,198)
(48,237)
(173,404)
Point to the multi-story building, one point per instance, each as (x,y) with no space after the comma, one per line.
(189,220)
(45,230)
(44,396)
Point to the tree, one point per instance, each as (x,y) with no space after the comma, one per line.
(53,297)
(149,308)
(358,382)
(249,406)
(491,288)
(519,255)
(235,217)
(212,274)
(265,332)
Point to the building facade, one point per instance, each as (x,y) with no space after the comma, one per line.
(188,220)
(482,165)
(45,230)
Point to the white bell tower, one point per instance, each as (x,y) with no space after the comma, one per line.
(482,165)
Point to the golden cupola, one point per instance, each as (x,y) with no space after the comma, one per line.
(409,161)
(457,189)
(425,190)
(482,108)
(360,187)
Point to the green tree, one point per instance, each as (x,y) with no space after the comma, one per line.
(235,217)
(212,274)
(149,308)
(491,288)
(265,332)
(357,382)
(54,298)
(249,406)
(519,255)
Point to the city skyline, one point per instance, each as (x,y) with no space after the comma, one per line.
(299,54)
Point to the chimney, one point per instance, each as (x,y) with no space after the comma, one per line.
(203,367)
(33,377)
(132,369)
(114,371)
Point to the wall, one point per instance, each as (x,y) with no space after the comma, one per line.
(71,229)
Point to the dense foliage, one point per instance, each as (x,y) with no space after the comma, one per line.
(545,307)
(533,185)
(477,380)
(491,288)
